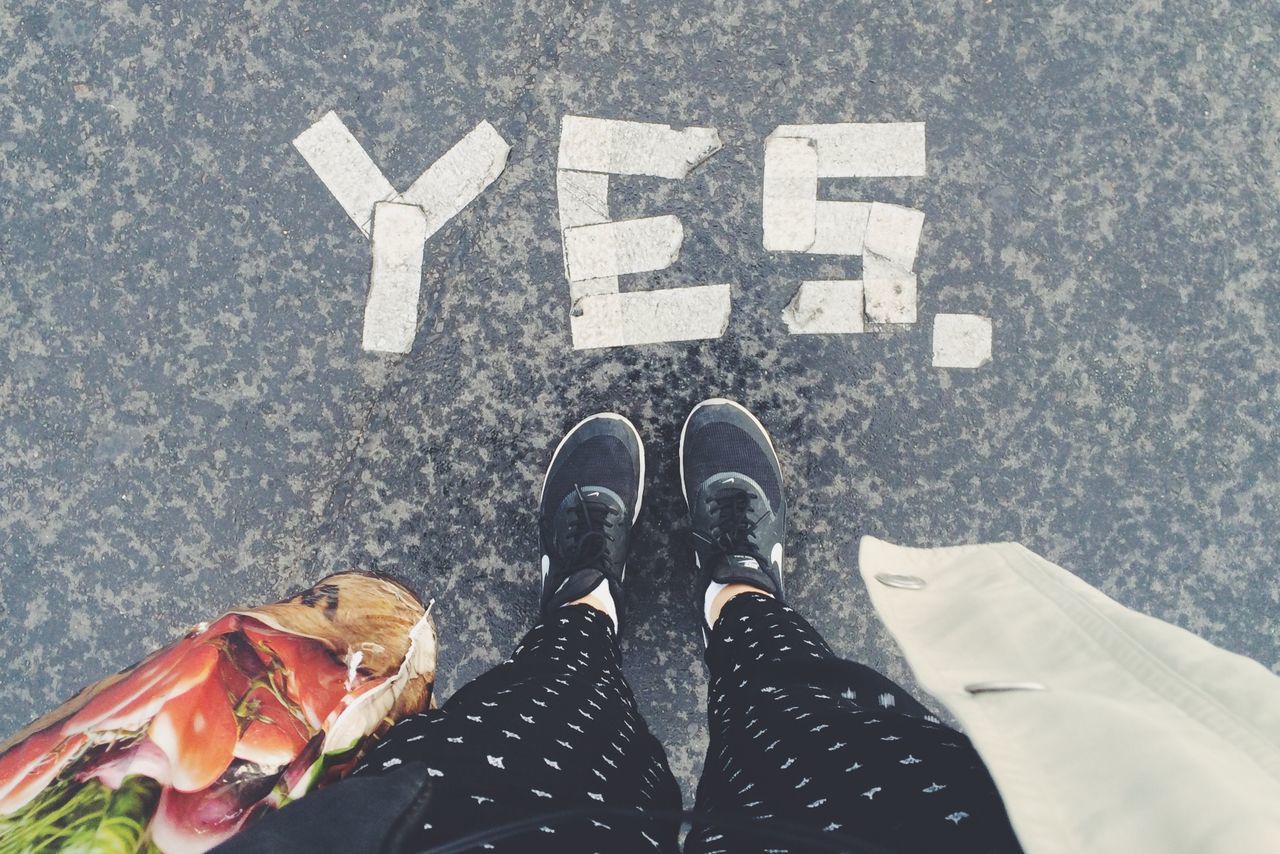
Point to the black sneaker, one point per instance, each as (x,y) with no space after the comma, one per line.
(590,499)
(732,482)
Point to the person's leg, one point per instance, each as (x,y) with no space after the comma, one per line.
(556,727)
(798,736)
(801,736)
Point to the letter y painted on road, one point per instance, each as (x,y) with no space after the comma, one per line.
(399,224)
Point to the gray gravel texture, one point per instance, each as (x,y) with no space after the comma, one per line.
(187,420)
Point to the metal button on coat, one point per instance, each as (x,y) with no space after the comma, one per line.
(993,687)
(906,582)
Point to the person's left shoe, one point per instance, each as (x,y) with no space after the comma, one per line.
(590,499)
(732,481)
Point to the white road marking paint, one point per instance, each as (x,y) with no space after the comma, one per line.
(620,247)
(345,168)
(790,194)
(598,250)
(886,236)
(462,173)
(616,147)
(893,237)
(825,307)
(391,313)
(890,300)
(446,187)
(864,149)
(961,341)
(841,228)
(583,198)
(591,287)
(650,317)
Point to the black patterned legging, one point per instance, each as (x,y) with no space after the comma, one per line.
(799,739)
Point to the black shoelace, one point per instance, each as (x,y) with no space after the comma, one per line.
(731,526)
(589,536)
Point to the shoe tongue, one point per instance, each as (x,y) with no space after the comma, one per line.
(596,498)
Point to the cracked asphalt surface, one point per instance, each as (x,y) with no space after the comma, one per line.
(187,420)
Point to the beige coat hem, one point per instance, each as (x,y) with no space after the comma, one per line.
(1145,737)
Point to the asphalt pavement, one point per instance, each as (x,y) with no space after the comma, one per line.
(188,420)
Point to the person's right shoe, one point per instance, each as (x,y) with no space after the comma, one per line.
(590,498)
(732,482)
